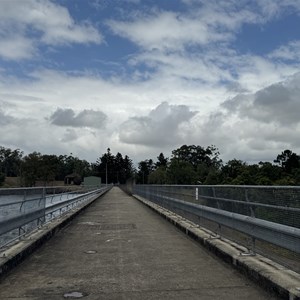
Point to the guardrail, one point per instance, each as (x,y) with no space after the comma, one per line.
(23,210)
(267,214)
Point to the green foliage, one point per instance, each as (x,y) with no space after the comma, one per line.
(197,165)
(2,178)
(145,167)
(46,168)
(189,164)
(288,161)
(10,161)
(158,176)
(68,164)
(181,172)
(196,155)
(162,161)
(192,164)
(212,178)
(117,169)
(31,168)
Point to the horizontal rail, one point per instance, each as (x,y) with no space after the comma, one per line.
(286,208)
(60,205)
(265,187)
(21,219)
(17,221)
(281,235)
(186,198)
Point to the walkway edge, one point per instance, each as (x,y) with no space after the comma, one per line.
(283,282)
(14,255)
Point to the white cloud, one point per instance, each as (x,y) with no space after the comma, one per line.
(289,52)
(185,67)
(204,23)
(16,47)
(159,128)
(278,103)
(273,8)
(27,24)
(248,126)
(166,31)
(255,126)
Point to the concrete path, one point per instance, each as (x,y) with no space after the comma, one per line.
(120,249)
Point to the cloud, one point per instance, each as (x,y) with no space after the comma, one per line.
(161,127)
(11,97)
(86,118)
(186,56)
(16,47)
(202,23)
(253,126)
(195,45)
(289,52)
(273,8)
(5,119)
(70,135)
(27,24)
(278,103)
(166,31)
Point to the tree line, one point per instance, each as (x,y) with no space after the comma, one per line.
(189,164)
(36,168)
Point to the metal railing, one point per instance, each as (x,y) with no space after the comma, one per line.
(264,219)
(24,209)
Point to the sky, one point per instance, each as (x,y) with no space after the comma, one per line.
(143,77)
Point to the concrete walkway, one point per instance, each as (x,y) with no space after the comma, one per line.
(119,249)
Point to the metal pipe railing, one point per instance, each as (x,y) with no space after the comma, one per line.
(269,214)
(39,209)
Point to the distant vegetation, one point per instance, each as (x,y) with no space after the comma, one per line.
(197,165)
(43,169)
(188,164)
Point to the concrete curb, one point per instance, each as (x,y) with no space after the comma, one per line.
(268,274)
(18,252)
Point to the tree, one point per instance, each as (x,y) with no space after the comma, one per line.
(10,161)
(48,167)
(202,161)
(162,161)
(119,169)
(127,168)
(288,161)
(2,178)
(116,168)
(145,167)
(213,177)
(158,176)
(232,170)
(105,167)
(268,173)
(31,168)
(196,155)
(181,172)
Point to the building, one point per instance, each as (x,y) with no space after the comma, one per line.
(92,181)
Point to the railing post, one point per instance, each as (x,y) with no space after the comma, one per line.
(214,195)
(252,213)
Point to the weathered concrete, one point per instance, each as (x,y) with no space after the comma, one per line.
(119,249)
(16,253)
(274,277)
